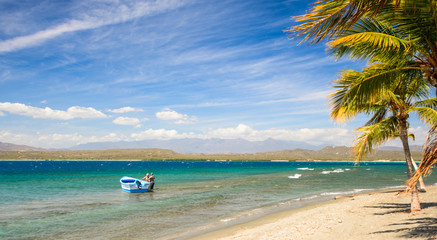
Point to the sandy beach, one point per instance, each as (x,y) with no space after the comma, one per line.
(380,215)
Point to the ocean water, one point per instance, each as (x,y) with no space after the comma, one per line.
(84,200)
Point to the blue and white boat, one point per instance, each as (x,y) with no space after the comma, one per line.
(134,185)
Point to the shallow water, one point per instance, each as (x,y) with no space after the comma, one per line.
(84,200)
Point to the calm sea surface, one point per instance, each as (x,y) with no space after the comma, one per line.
(84,200)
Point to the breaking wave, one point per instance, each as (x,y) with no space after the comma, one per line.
(295,176)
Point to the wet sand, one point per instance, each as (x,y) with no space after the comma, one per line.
(381,215)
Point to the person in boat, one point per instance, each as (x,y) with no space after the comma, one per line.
(146,178)
(152,181)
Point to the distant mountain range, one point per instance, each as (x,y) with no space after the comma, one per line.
(189,146)
(414,148)
(330,153)
(14,147)
(209,146)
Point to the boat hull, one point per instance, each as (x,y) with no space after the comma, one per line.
(134,185)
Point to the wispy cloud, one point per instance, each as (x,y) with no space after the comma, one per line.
(226,63)
(48,113)
(123,12)
(125,110)
(311,96)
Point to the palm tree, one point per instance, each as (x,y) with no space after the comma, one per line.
(395,33)
(380,29)
(380,38)
(390,109)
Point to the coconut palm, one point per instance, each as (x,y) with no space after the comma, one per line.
(396,33)
(390,109)
(365,29)
(400,32)
(391,40)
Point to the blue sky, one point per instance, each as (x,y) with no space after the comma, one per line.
(73,72)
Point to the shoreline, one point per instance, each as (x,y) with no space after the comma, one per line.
(381,215)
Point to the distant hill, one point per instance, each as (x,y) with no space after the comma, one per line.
(209,146)
(336,153)
(198,149)
(326,154)
(14,147)
(415,148)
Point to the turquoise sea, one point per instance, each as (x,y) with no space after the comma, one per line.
(84,200)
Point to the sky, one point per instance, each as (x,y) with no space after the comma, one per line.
(73,72)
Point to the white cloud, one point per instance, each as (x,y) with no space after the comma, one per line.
(123,12)
(175,117)
(125,110)
(55,140)
(334,136)
(241,131)
(48,113)
(420,133)
(317,136)
(161,134)
(127,121)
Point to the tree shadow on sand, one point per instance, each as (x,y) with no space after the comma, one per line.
(399,207)
(411,228)
(427,228)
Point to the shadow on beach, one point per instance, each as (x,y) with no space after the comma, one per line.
(424,227)
(399,207)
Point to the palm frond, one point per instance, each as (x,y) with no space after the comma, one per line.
(367,38)
(374,135)
(372,40)
(412,136)
(427,113)
(429,103)
(379,115)
(328,17)
(358,92)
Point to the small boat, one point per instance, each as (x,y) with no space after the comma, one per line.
(134,185)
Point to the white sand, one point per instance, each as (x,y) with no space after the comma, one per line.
(383,215)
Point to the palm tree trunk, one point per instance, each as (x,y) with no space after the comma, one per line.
(403,132)
(421,183)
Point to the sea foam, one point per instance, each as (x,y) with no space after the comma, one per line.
(295,176)
(339,170)
(306,169)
